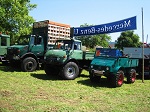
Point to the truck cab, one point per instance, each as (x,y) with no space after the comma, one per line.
(4,43)
(27,51)
(64,49)
(67,59)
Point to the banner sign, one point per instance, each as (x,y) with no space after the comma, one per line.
(118,26)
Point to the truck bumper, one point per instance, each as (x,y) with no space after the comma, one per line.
(98,72)
(3,59)
(13,58)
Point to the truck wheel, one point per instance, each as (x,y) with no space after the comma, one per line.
(131,76)
(118,79)
(70,71)
(29,64)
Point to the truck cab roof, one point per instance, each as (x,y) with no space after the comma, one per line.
(3,35)
(70,39)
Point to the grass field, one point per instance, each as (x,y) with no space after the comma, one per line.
(36,92)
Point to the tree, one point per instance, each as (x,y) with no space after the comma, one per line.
(91,41)
(128,39)
(15,17)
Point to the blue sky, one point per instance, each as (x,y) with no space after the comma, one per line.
(94,12)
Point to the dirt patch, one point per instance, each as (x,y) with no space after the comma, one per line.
(5,106)
(6,93)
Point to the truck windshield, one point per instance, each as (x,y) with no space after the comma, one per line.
(63,44)
(32,39)
(23,40)
(108,52)
(3,41)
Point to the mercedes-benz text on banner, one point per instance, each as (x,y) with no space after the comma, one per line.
(118,26)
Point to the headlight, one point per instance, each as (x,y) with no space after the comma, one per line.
(58,59)
(91,66)
(107,68)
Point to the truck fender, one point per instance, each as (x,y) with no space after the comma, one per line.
(29,54)
(71,60)
(116,69)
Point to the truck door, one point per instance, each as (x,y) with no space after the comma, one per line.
(78,53)
(37,45)
(4,43)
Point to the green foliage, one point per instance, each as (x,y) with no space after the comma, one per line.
(14,17)
(94,40)
(127,39)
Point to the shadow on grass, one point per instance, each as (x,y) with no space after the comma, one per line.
(51,77)
(103,83)
(46,77)
(9,69)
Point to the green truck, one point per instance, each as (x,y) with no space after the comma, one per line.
(4,43)
(67,59)
(29,50)
(111,64)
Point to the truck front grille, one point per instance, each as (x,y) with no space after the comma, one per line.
(12,51)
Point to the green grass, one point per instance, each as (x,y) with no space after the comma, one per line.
(34,91)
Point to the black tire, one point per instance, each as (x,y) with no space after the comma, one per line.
(70,71)
(118,79)
(94,78)
(51,70)
(29,64)
(131,76)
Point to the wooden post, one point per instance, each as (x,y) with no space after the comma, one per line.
(143,48)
